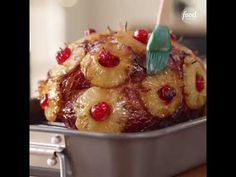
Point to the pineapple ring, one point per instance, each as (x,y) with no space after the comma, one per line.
(76,56)
(126,37)
(106,77)
(193,98)
(155,105)
(180,47)
(52,88)
(97,36)
(113,123)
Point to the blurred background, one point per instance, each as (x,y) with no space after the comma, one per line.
(53,22)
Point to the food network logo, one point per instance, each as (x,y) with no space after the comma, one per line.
(189,15)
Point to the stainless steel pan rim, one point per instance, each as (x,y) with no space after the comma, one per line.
(139,135)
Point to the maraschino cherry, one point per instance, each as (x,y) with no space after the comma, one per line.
(63,55)
(100,111)
(141,35)
(44,101)
(199,82)
(106,59)
(167,93)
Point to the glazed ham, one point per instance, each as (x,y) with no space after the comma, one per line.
(100,84)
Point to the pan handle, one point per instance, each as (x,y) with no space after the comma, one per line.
(44,145)
(55,157)
(62,164)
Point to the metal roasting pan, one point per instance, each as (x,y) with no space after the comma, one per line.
(58,151)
